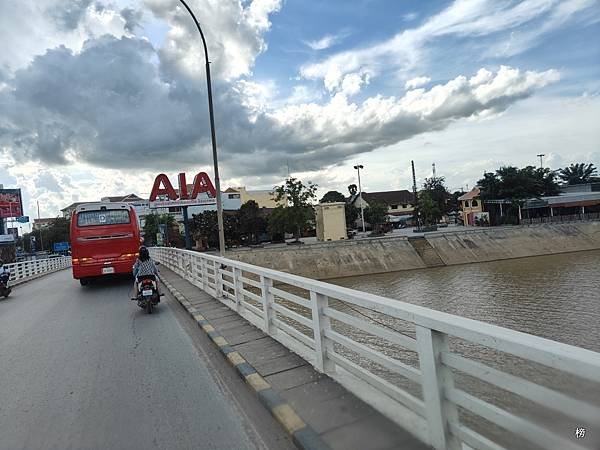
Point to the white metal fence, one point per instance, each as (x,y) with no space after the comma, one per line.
(408,361)
(24,270)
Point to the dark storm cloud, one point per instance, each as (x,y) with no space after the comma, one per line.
(119,104)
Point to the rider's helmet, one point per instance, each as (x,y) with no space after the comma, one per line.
(144,253)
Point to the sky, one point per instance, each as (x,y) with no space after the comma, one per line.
(99,96)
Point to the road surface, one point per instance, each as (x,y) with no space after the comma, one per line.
(85,368)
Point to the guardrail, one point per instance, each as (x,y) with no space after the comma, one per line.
(410,362)
(25,270)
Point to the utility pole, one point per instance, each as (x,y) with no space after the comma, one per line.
(541,156)
(433,169)
(362,212)
(416,198)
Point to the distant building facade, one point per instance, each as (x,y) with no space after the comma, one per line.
(471,206)
(40,224)
(264,198)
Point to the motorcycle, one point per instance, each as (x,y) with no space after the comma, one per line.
(147,295)
(5,290)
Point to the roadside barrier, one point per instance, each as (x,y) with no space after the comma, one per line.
(410,362)
(25,270)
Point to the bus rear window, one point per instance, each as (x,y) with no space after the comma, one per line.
(107,217)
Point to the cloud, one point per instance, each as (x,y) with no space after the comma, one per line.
(409,17)
(234,32)
(463,18)
(110,106)
(30,27)
(416,82)
(325,42)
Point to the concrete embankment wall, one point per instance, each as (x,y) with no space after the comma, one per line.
(515,242)
(336,259)
(391,254)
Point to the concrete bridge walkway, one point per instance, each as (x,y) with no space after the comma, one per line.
(339,418)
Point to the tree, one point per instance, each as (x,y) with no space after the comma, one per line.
(205,227)
(298,211)
(151,227)
(333,197)
(58,230)
(513,183)
(376,215)
(250,222)
(429,208)
(578,173)
(439,195)
(352,214)
(353,189)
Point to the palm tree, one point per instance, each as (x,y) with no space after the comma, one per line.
(577,173)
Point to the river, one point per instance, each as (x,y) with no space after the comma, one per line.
(555,297)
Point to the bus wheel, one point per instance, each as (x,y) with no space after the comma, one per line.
(84,281)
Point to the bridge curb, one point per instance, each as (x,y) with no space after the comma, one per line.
(302,434)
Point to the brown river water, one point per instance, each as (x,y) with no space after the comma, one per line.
(555,297)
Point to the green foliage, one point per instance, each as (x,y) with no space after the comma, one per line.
(151,227)
(429,208)
(437,193)
(205,227)
(298,212)
(518,184)
(251,223)
(453,203)
(57,231)
(353,189)
(352,214)
(376,215)
(333,197)
(578,173)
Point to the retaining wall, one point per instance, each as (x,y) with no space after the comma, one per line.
(391,254)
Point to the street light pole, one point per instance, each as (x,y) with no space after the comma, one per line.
(212,135)
(362,213)
(541,156)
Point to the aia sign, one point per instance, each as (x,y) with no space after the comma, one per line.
(167,196)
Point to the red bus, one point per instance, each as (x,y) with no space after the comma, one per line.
(105,240)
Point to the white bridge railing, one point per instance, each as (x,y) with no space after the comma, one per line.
(24,270)
(410,362)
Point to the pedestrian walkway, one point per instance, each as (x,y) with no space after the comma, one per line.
(340,419)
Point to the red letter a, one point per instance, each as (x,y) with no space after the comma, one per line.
(167,190)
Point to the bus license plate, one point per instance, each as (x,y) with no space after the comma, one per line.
(147,292)
(107,270)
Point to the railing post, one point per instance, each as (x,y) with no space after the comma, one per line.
(218,284)
(320,324)
(204,271)
(436,379)
(237,290)
(267,300)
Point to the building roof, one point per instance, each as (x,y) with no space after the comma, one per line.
(473,193)
(402,197)
(124,198)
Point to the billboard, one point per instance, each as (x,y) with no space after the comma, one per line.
(163,194)
(11,204)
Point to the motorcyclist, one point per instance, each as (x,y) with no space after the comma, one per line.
(4,273)
(144,266)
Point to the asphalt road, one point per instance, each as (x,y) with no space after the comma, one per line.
(85,368)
